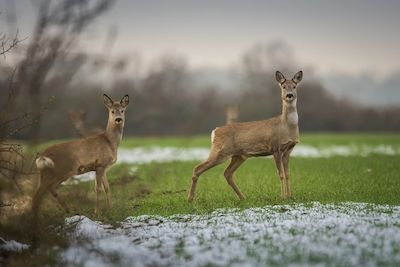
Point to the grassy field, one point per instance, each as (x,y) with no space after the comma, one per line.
(319,139)
(161,189)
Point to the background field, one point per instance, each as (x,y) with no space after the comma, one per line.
(187,67)
(161,188)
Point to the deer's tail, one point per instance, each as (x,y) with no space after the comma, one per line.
(43,162)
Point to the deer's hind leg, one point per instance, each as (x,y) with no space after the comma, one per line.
(59,199)
(38,198)
(214,159)
(45,183)
(228,173)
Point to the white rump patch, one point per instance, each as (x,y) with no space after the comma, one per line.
(212,136)
(44,162)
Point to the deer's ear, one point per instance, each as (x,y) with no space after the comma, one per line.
(108,102)
(298,77)
(279,77)
(125,101)
(82,112)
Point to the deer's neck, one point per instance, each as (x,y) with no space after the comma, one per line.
(289,113)
(114,133)
(81,131)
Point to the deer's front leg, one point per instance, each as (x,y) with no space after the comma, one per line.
(281,173)
(99,177)
(106,187)
(287,171)
(286,156)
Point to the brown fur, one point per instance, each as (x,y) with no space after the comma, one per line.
(239,141)
(232,114)
(94,153)
(78,121)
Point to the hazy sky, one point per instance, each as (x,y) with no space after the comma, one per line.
(341,36)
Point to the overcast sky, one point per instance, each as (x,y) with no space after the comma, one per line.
(349,37)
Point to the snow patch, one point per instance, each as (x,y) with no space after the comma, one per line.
(347,234)
(12,245)
(345,151)
(146,155)
(143,155)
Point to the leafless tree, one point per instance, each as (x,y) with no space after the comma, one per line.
(8,43)
(10,153)
(58,27)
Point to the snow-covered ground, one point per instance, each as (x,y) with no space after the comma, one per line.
(347,234)
(11,246)
(144,155)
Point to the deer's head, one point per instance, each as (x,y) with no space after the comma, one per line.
(116,110)
(288,87)
(232,111)
(77,118)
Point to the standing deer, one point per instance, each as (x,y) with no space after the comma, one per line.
(94,153)
(232,114)
(239,141)
(78,121)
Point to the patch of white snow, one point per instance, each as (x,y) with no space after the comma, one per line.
(347,234)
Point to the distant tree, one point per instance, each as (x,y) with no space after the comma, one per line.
(11,154)
(163,96)
(58,27)
(260,98)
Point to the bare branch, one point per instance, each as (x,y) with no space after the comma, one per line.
(7,44)
(27,118)
(2,205)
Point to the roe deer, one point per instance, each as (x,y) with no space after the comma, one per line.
(94,153)
(232,113)
(78,121)
(276,136)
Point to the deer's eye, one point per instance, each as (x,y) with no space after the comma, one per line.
(113,112)
(284,87)
(122,111)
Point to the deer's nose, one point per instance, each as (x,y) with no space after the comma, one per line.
(118,120)
(289,96)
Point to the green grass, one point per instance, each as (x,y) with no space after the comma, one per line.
(315,139)
(161,188)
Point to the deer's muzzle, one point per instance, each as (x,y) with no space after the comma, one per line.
(290,97)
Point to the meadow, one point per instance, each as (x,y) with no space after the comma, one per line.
(161,188)
(323,185)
